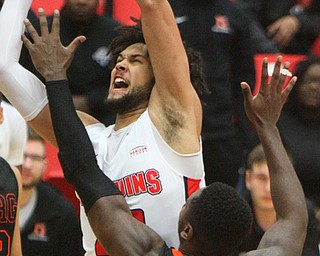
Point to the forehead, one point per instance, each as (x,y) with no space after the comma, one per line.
(260,168)
(33,144)
(138,49)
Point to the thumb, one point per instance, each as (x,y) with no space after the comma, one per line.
(73,46)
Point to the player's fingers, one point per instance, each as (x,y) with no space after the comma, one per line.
(56,24)
(264,77)
(283,75)
(43,23)
(26,42)
(285,93)
(246,91)
(32,32)
(276,73)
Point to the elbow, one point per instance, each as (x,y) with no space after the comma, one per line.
(6,68)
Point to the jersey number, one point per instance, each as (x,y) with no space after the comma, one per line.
(138,214)
(4,243)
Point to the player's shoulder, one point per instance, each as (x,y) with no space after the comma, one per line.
(87,119)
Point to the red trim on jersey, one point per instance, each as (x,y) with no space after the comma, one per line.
(176,252)
(191,185)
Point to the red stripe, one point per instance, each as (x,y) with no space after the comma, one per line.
(176,252)
(192,185)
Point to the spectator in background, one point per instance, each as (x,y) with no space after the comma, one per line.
(10,189)
(89,73)
(292,26)
(299,125)
(48,223)
(220,31)
(259,198)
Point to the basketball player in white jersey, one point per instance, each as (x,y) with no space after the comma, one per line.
(153,151)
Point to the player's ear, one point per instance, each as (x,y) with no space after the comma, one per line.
(187,232)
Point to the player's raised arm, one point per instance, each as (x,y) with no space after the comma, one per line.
(23,89)
(173,93)
(287,235)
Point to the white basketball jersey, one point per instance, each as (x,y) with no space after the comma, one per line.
(154,179)
(13,135)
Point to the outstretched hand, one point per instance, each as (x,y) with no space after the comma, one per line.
(48,55)
(264,109)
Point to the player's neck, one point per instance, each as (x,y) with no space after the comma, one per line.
(128,118)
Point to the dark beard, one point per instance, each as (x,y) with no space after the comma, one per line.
(138,97)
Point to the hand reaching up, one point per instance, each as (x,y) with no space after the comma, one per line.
(48,55)
(264,109)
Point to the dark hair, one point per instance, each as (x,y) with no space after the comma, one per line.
(257,155)
(300,71)
(221,219)
(1,97)
(129,35)
(33,135)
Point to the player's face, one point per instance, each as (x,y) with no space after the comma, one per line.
(183,219)
(258,182)
(132,80)
(34,163)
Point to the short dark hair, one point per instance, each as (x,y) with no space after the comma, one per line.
(129,35)
(256,155)
(126,36)
(221,219)
(33,135)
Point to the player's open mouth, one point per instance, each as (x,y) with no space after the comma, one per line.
(120,83)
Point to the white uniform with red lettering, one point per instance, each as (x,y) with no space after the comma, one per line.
(154,179)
